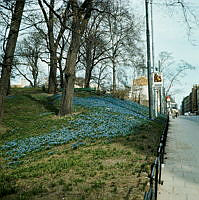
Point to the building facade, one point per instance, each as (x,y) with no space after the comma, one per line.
(139,90)
(190,103)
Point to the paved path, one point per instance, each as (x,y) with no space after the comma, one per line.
(181,171)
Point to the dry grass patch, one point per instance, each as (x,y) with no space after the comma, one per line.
(3,129)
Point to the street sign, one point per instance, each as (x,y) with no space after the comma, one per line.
(168,98)
(157,79)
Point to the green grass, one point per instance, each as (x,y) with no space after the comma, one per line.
(30,114)
(104,169)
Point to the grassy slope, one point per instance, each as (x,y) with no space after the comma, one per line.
(103,169)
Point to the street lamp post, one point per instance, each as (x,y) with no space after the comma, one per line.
(149,61)
(152,38)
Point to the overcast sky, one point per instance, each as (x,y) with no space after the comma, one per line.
(171,34)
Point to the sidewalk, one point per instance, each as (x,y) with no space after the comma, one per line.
(181,170)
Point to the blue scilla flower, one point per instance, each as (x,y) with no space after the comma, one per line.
(108,118)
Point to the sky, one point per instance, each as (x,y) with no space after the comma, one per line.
(171,35)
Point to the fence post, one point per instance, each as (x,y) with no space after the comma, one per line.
(156,179)
(156,167)
(161,161)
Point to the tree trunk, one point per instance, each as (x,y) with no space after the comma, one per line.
(78,27)
(52,81)
(60,65)
(9,86)
(114,76)
(35,70)
(98,81)
(61,76)
(69,75)
(89,66)
(87,77)
(9,51)
(35,83)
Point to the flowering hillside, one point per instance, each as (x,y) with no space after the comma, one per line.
(102,151)
(108,117)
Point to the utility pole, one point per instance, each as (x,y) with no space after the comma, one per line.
(155,91)
(161,89)
(152,38)
(149,61)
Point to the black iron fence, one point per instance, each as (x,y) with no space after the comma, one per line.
(156,168)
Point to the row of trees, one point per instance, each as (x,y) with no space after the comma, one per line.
(99,37)
(9,45)
(69,36)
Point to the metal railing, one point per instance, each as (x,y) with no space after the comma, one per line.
(156,167)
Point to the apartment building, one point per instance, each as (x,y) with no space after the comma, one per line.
(190,103)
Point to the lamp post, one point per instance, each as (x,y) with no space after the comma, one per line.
(152,38)
(156,91)
(149,61)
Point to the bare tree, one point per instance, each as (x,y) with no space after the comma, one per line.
(28,54)
(91,46)
(178,74)
(80,17)
(101,75)
(124,36)
(53,41)
(9,51)
(172,71)
(60,57)
(6,10)
(165,60)
(188,12)
(94,47)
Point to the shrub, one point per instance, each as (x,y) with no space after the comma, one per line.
(43,87)
(121,94)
